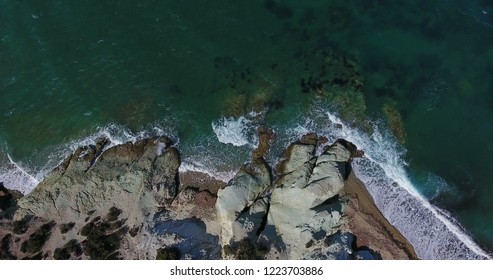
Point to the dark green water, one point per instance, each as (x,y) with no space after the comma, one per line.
(69,70)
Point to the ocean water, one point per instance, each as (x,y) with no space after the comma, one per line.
(207,73)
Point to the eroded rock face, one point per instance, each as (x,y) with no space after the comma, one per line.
(304,202)
(116,202)
(133,177)
(125,202)
(301,207)
(239,197)
(136,178)
(189,225)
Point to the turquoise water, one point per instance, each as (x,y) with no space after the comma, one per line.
(70,71)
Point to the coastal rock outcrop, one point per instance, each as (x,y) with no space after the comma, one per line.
(296,211)
(304,203)
(90,182)
(243,195)
(127,202)
(125,183)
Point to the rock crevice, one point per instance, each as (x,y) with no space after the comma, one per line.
(127,201)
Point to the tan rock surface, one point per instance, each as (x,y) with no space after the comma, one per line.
(370,226)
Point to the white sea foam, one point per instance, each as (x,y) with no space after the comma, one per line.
(236,131)
(221,154)
(209,169)
(15,176)
(432,231)
(24,176)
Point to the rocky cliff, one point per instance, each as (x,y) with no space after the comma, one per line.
(130,202)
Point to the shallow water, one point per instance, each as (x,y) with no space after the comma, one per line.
(72,72)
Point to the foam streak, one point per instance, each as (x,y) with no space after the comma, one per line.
(14,176)
(433,234)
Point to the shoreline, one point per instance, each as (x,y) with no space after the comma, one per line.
(367,222)
(364,219)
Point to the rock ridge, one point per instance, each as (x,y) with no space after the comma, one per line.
(128,202)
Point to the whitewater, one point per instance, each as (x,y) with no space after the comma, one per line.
(433,232)
(25,176)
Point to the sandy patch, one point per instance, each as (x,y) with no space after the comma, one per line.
(370,226)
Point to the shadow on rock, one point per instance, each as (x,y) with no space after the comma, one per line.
(194,241)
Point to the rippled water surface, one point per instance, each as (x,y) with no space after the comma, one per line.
(208,72)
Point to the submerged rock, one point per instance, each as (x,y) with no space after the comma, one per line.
(394,121)
(265,135)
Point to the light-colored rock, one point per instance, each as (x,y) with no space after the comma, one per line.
(299,216)
(298,178)
(329,174)
(240,193)
(300,206)
(296,155)
(134,177)
(248,223)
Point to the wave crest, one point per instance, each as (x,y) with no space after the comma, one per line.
(432,231)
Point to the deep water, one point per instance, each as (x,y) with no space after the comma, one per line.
(72,71)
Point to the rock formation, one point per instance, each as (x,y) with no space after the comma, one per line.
(295,215)
(126,201)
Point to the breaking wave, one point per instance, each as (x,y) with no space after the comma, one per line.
(236,131)
(24,176)
(433,232)
(15,176)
